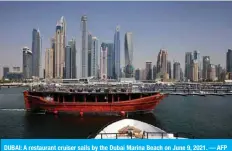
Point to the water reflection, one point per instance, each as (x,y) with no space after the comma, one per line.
(72,126)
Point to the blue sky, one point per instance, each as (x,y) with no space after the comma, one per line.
(176,26)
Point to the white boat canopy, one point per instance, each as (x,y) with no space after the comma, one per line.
(132,129)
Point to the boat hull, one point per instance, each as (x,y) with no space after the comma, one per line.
(35,103)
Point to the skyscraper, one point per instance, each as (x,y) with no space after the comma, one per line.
(53,45)
(36,53)
(169,69)
(194,71)
(49,66)
(27,63)
(89,54)
(181,75)
(84,49)
(110,60)
(94,57)
(154,72)
(206,63)
(103,61)
(6,70)
(161,66)
(68,62)
(222,76)
(72,44)
(63,25)
(128,46)
(117,53)
(60,48)
(218,71)
(188,65)
(142,74)
(211,72)
(137,74)
(196,56)
(176,71)
(229,60)
(148,70)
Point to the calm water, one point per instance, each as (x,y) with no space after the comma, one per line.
(203,117)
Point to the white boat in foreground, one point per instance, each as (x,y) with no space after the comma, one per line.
(133,129)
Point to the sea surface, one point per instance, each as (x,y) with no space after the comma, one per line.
(201,117)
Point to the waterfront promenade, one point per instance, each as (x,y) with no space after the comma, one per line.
(11,84)
(190,88)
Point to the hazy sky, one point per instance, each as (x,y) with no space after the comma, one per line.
(176,26)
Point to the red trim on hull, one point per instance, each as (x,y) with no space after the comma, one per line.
(26,101)
(140,104)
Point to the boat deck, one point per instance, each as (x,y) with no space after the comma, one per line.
(145,135)
(134,129)
(85,92)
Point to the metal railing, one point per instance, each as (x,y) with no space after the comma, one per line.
(145,135)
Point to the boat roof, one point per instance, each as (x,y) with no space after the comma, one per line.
(139,127)
(85,92)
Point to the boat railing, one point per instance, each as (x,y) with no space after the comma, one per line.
(144,135)
(90,88)
(162,135)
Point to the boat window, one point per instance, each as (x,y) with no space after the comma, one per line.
(90,97)
(135,96)
(80,98)
(102,97)
(68,98)
(55,97)
(115,97)
(109,98)
(124,97)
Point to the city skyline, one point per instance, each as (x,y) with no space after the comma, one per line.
(211,41)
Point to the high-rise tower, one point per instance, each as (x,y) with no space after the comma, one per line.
(68,62)
(162,62)
(36,53)
(154,72)
(84,47)
(194,71)
(117,71)
(60,48)
(137,74)
(6,70)
(27,63)
(176,71)
(148,70)
(229,60)
(169,69)
(94,57)
(49,57)
(206,63)
(211,74)
(72,44)
(53,45)
(103,61)
(110,60)
(188,64)
(128,46)
(196,56)
(89,53)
